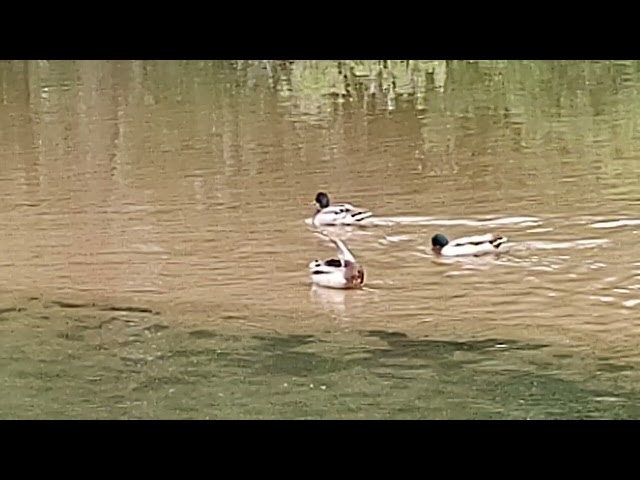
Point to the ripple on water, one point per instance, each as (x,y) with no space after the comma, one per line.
(617,223)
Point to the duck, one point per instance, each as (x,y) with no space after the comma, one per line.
(341,273)
(475,245)
(338,213)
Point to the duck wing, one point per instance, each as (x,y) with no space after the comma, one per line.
(495,240)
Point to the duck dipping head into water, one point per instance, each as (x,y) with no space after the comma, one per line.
(344,272)
(338,213)
(473,245)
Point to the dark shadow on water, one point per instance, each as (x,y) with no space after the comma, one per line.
(156,370)
(279,355)
(448,370)
(9,310)
(104,308)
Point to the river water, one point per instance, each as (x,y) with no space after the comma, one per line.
(153,260)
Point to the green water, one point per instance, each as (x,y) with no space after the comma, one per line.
(84,362)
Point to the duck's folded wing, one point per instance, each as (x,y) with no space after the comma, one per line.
(345,206)
(337,210)
(473,240)
(358,215)
(351,210)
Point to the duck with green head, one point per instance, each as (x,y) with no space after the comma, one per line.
(475,245)
(338,213)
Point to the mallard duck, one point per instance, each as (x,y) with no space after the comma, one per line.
(338,213)
(473,245)
(333,273)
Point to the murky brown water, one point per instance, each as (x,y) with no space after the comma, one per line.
(183,188)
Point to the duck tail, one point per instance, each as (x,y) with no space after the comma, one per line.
(357,216)
(498,241)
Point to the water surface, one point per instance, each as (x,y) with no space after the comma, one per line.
(153,260)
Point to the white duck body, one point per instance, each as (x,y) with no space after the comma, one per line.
(338,213)
(334,273)
(465,246)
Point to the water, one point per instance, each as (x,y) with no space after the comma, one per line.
(153,260)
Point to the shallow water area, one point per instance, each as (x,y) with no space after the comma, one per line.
(154,258)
